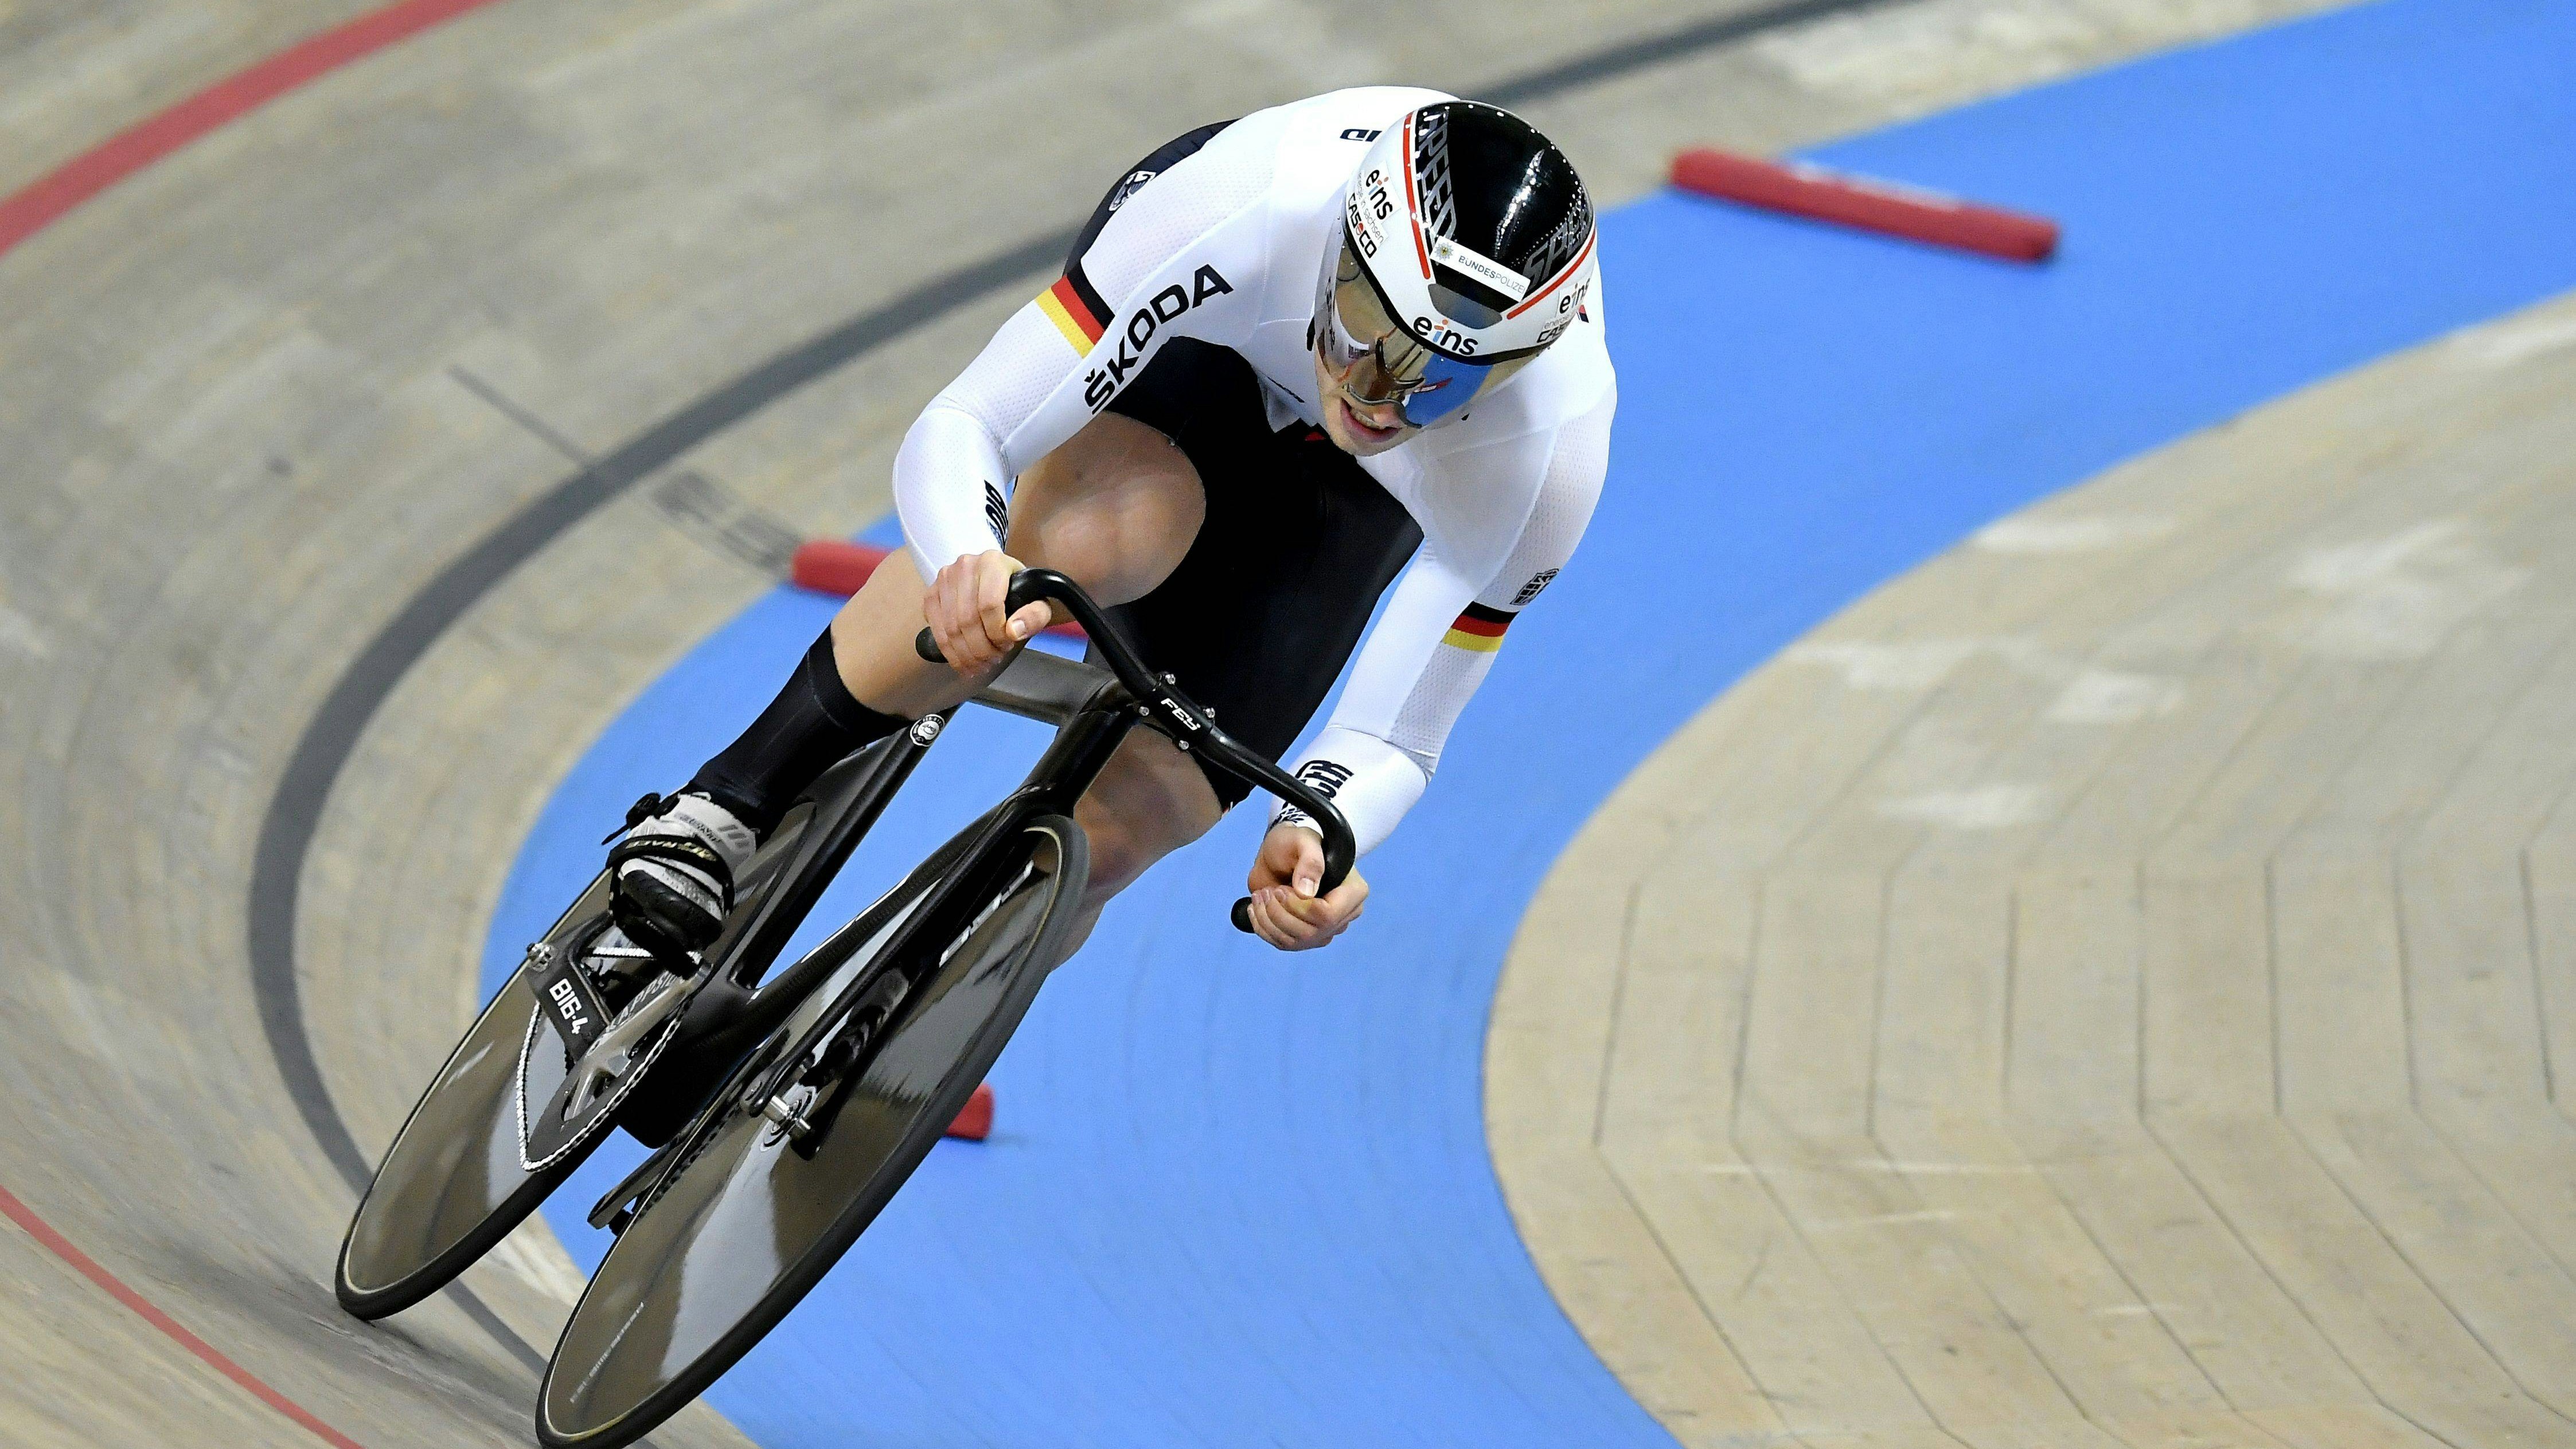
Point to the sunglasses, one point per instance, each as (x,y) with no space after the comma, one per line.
(1355,325)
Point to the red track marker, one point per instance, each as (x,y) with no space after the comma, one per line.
(44,201)
(975,1122)
(87,1266)
(829,566)
(1880,206)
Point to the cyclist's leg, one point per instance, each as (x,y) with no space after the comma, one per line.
(1148,801)
(1114,509)
(1256,622)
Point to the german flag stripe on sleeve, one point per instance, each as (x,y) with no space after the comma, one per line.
(1075,309)
(1480,629)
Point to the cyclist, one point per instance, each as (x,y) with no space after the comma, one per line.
(1286,352)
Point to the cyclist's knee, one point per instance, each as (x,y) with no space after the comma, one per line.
(1126,842)
(1150,801)
(1116,507)
(1121,849)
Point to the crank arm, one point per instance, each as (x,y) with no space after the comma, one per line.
(611,1055)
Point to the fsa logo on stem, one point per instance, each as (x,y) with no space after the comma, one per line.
(1101,383)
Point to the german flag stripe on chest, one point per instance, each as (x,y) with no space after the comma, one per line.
(1480,629)
(1076,310)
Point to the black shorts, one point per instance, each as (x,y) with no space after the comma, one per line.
(1299,542)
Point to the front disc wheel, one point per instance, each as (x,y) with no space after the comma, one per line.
(771,1193)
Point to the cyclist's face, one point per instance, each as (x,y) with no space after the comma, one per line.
(1363,400)
(1358,428)
(1385,381)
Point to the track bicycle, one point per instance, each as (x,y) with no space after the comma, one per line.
(785,1112)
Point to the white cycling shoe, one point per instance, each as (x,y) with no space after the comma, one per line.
(675,872)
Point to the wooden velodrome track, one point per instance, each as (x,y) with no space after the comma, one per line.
(271,404)
(2110,985)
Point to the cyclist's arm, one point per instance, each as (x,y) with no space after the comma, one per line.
(1438,637)
(1059,360)
(953,473)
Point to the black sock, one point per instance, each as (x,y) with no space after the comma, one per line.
(812,723)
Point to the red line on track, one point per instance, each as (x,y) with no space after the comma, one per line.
(42,202)
(61,1247)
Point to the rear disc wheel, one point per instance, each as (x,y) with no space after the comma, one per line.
(453,1183)
(456,1180)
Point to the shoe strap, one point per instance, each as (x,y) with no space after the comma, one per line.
(685,850)
(641,811)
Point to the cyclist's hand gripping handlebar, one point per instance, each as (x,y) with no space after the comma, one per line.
(1176,717)
(1028,586)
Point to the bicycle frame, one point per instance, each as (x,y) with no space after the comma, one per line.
(1093,712)
(938,971)
(1087,735)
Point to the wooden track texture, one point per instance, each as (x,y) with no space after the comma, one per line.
(259,395)
(2115,984)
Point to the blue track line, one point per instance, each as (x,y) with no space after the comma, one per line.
(1243,1199)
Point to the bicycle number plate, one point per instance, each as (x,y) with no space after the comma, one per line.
(568,999)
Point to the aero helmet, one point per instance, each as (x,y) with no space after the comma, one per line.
(1465,249)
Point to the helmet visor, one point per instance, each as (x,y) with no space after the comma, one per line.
(1379,361)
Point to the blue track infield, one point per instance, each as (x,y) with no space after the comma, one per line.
(1237,1198)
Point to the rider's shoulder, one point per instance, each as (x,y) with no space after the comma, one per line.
(1259,185)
